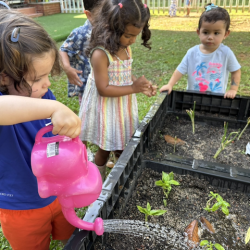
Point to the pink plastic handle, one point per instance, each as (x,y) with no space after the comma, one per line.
(43,131)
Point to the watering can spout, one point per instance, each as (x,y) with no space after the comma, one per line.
(62,169)
(71,217)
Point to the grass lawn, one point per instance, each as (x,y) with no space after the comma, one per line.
(171,38)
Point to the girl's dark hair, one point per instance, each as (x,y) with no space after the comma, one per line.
(90,4)
(16,57)
(111,19)
(214,15)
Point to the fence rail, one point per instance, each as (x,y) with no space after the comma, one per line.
(76,6)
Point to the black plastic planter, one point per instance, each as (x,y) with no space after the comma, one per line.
(122,179)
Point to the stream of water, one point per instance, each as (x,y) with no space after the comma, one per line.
(165,235)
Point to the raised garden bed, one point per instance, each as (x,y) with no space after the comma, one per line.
(141,150)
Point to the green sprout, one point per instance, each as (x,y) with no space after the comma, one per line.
(191,115)
(220,203)
(248,122)
(225,140)
(165,202)
(209,245)
(166,182)
(148,212)
(247,238)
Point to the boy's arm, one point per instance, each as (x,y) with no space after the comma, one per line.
(173,80)
(70,72)
(235,83)
(18,109)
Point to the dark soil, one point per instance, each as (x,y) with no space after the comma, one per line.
(184,204)
(203,144)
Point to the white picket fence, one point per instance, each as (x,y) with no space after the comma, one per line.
(76,6)
(71,6)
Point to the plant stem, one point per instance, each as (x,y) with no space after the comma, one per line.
(218,152)
(248,122)
(193,116)
(146,218)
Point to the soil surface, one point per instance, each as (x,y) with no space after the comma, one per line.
(184,204)
(203,144)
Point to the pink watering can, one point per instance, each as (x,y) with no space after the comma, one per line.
(62,169)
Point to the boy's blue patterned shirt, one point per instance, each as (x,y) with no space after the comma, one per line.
(74,46)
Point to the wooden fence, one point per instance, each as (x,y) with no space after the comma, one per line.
(76,6)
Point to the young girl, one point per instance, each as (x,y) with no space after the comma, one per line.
(109,102)
(27,57)
(208,64)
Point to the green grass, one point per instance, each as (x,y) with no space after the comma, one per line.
(59,26)
(171,38)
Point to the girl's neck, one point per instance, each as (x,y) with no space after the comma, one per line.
(122,54)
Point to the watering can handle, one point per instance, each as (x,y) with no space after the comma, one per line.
(43,131)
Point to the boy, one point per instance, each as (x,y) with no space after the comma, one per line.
(75,63)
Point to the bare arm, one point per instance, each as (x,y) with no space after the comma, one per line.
(70,72)
(173,80)
(100,65)
(18,109)
(235,83)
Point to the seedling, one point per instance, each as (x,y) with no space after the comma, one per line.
(220,203)
(247,238)
(248,122)
(191,115)
(148,212)
(165,202)
(166,182)
(225,140)
(210,246)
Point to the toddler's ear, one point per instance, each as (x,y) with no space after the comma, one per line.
(227,34)
(198,32)
(4,79)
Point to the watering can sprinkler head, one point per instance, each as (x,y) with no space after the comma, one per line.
(62,169)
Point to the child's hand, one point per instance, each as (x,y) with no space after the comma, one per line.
(167,87)
(65,122)
(230,94)
(73,77)
(142,85)
(154,89)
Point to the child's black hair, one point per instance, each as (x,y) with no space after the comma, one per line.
(111,19)
(214,15)
(16,56)
(90,4)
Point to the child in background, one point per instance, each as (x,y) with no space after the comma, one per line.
(208,64)
(188,5)
(75,63)
(27,57)
(109,102)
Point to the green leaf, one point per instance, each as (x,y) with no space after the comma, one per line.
(218,246)
(225,210)
(148,207)
(226,204)
(207,209)
(142,210)
(219,198)
(159,183)
(157,212)
(173,182)
(216,206)
(247,238)
(165,177)
(204,243)
(213,195)
(171,176)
